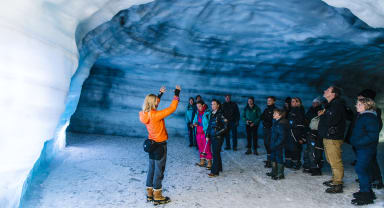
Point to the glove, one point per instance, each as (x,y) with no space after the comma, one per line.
(177,92)
(160,94)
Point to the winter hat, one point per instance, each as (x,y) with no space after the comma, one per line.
(368,93)
(288,100)
(317,100)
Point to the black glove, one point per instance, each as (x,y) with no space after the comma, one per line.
(177,92)
(160,94)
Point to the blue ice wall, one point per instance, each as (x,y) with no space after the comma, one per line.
(242,47)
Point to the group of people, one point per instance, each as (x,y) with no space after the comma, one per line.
(286,131)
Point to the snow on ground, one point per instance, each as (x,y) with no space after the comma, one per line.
(110,171)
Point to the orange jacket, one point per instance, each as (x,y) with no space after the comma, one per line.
(154,121)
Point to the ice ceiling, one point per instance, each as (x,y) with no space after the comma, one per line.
(258,48)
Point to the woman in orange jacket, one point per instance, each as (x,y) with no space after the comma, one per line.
(154,122)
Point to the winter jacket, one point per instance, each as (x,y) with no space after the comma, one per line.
(217,125)
(190,113)
(231,111)
(280,133)
(365,133)
(154,121)
(332,122)
(252,114)
(352,124)
(312,113)
(205,119)
(297,123)
(267,116)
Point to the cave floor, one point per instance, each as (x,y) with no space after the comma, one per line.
(110,171)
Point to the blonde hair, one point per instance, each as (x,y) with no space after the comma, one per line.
(150,103)
(368,103)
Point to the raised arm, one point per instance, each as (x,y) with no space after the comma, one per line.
(172,108)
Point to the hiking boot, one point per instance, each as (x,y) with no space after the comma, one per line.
(315,172)
(212,175)
(335,189)
(363,199)
(273,171)
(306,170)
(328,183)
(255,152)
(158,197)
(149,194)
(209,164)
(248,152)
(358,195)
(296,165)
(280,172)
(202,163)
(288,164)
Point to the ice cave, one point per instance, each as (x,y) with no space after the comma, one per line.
(74,75)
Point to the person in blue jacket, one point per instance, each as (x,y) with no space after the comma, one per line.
(189,116)
(280,133)
(365,138)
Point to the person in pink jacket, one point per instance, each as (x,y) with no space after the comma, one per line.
(201,123)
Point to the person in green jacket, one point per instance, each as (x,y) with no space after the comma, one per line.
(251,116)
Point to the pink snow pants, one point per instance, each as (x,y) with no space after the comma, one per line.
(200,138)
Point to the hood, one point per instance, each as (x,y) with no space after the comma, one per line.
(144,117)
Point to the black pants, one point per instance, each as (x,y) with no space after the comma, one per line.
(192,136)
(217,165)
(252,136)
(267,141)
(314,150)
(232,128)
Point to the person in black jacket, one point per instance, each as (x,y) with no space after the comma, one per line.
(293,145)
(232,113)
(313,154)
(365,137)
(266,119)
(280,133)
(331,129)
(216,130)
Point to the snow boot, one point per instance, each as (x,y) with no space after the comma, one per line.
(288,163)
(363,199)
(202,163)
(149,194)
(296,165)
(315,172)
(328,183)
(335,189)
(248,152)
(280,172)
(209,164)
(255,152)
(358,195)
(273,171)
(158,197)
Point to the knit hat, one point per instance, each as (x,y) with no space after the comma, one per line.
(318,99)
(368,93)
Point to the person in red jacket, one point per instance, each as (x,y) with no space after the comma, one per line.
(154,122)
